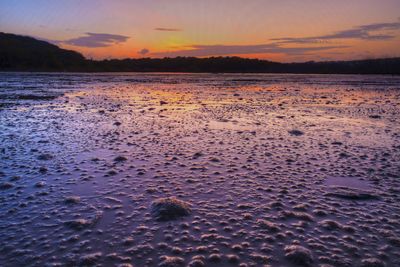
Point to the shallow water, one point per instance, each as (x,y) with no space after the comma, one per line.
(223,143)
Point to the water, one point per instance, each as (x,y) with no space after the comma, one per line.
(220,142)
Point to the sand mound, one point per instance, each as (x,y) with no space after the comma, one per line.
(168,261)
(165,209)
(298,255)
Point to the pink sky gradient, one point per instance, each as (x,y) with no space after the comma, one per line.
(286,30)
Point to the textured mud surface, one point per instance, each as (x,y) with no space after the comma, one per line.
(199,170)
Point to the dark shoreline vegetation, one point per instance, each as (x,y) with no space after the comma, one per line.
(21,53)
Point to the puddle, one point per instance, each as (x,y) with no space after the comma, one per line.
(351,182)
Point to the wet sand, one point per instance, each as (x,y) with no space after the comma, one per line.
(199,170)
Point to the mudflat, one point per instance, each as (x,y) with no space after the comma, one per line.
(199,170)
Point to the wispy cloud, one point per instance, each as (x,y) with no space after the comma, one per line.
(96,40)
(224,50)
(372,32)
(293,46)
(168,29)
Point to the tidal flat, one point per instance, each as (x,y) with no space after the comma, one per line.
(199,170)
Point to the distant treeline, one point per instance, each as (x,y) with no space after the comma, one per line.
(21,53)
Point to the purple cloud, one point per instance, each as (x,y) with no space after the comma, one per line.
(97,40)
(224,50)
(372,32)
(168,29)
(144,51)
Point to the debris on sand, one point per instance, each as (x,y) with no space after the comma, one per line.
(111,173)
(120,159)
(78,224)
(43,169)
(337,143)
(40,184)
(297,215)
(259,258)
(165,209)
(232,258)
(375,116)
(36,97)
(295,132)
(6,185)
(90,259)
(72,200)
(197,263)
(298,255)
(15,178)
(197,155)
(215,257)
(45,156)
(270,226)
(372,262)
(167,261)
(330,225)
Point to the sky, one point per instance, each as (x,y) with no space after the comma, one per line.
(284,30)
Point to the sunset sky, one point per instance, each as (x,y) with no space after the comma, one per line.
(285,30)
